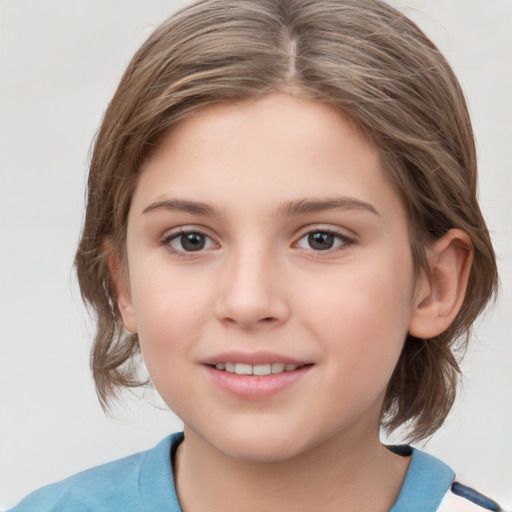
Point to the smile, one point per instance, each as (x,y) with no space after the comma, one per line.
(257,369)
(256,381)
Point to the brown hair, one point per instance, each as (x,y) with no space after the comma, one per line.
(362,57)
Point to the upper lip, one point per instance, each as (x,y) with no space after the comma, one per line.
(252,358)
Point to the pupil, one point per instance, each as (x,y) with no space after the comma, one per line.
(321,241)
(192,241)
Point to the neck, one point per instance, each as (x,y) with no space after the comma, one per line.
(340,474)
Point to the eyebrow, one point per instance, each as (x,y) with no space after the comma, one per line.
(289,208)
(182,205)
(318,205)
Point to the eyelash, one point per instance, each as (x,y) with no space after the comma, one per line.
(176,235)
(341,241)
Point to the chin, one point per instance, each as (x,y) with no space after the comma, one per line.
(258,445)
(262,452)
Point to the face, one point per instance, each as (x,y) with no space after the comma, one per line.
(269,278)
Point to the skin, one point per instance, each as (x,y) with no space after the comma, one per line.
(258,284)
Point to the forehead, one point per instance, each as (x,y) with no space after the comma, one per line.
(263,152)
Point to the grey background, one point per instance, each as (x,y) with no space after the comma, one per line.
(60,62)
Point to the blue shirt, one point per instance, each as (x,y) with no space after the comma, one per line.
(144,483)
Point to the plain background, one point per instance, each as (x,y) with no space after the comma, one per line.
(60,62)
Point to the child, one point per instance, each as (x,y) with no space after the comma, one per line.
(282,219)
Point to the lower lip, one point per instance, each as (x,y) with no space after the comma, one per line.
(255,386)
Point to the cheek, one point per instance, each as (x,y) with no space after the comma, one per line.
(168,330)
(169,310)
(362,314)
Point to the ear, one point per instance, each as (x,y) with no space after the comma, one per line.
(440,298)
(120,279)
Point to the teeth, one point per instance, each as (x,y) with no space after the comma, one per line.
(277,367)
(261,369)
(258,369)
(243,369)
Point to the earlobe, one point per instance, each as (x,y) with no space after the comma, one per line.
(119,277)
(440,298)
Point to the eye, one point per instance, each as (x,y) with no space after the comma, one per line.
(188,241)
(323,240)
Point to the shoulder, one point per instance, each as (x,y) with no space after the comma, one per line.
(431,486)
(461,498)
(94,489)
(116,486)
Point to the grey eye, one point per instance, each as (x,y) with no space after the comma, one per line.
(191,241)
(322,240)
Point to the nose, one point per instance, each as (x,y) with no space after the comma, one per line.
(252,291)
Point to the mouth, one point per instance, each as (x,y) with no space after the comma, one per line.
(255,376)
(257,369)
